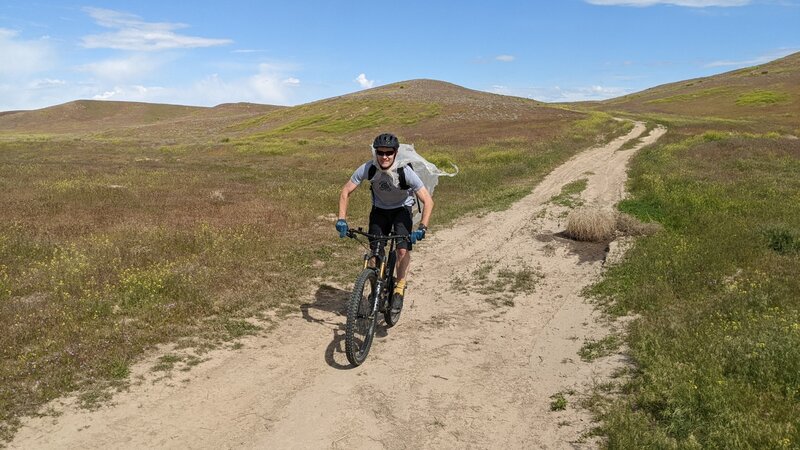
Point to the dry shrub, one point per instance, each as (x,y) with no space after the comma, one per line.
(217,196)
(631,226)
(591,224)
(602,225)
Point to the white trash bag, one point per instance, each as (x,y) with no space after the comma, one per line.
(426,170)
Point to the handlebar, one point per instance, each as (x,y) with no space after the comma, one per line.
(351,232)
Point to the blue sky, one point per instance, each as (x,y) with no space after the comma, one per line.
(292,52)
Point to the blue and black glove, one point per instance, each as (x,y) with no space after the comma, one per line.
(419,234)
(341,227)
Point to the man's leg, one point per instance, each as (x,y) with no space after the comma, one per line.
(402,225)
(403,260)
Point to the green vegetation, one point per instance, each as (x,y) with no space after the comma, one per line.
(501,285)
(782,240)
(596,126)
(559,402)
(717,339)
(692,95)
(570,194)
(593,349)
(342,117)
(761,97)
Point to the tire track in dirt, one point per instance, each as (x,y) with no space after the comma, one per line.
(462,368)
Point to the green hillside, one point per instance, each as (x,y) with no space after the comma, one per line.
(767,92)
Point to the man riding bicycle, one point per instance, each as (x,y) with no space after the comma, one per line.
(393,198)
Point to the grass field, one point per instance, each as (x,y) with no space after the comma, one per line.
(180,229)
(111,245)
(716,344)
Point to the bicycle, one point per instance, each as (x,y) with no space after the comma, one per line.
(371,295)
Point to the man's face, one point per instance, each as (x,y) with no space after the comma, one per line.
(385,156)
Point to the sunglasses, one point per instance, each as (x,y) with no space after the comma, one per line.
(389,153)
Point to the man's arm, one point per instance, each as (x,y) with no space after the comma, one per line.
(344,198)
(427,209)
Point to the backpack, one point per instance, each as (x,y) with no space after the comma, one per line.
(425,170)
(400,173)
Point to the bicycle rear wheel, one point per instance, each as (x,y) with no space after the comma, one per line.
(388,316)
(391,318)
(361,319)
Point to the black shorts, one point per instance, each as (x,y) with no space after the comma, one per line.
(382,220)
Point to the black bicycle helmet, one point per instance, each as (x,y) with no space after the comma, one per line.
(386,140)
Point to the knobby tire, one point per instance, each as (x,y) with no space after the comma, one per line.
(361,321)
(390,318)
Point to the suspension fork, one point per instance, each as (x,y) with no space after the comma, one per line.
(384,263)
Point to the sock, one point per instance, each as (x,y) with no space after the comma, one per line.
(400,287)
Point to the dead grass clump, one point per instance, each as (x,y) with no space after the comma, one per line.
(217,196)
(591,224)
(631,226)
(602,225)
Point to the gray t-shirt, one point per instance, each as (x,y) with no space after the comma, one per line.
(386,195)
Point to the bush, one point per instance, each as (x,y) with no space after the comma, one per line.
(591,224)
(781,240)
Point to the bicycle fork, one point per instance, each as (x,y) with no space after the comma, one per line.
(385,280)
(385,275)
(376,296)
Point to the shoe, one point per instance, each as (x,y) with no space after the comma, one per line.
(397,303)
(397,296)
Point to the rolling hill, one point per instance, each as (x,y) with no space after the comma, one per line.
(415,109)
(768,91)
(422,108)
(93,116)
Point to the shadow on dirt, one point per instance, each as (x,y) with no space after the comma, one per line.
(330,299)
(587,252)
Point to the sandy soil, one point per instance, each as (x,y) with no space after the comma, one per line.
(461,370)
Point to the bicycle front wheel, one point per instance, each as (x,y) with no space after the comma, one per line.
(361,319)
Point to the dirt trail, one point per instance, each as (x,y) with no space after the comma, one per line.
(459,370)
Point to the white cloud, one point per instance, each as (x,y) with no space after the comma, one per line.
(505,58)
(41,93)
(268,85)
(131,93)
(271,83)
(689,3)
(362,80)
(122,69)
(753,61)
(21,57)
(132,33)
(46,83)
(558,94)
